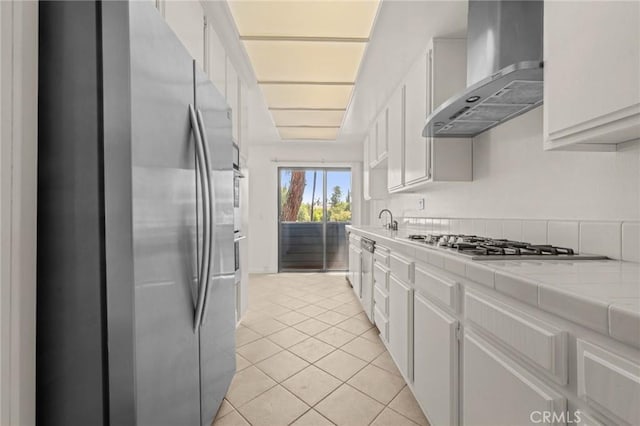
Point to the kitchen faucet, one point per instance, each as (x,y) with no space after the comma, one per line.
(392,224)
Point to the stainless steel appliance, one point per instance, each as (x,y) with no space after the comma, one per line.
(237,175)
(504,69)
(366,281)
(135,304)
(484,248)
(237,275)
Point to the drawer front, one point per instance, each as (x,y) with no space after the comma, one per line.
(355,239)
(609,383)
(402,268)
(539,342)
(382,300)
(382,322)
(381,277)
(441,288)
(381,256)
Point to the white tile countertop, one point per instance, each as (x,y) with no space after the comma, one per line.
(603,295)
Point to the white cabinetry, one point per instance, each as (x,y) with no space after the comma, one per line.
(374,179)
(609,383)
(435,371)
(515,365)
(243,119)
(233,97)
(400,325)
(217,61)
(591,83)
(417,156)
(437,74)
(188,22)
(382,135)
(497,391)
(395,140)
(355,264)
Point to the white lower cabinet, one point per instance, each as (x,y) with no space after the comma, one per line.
(609,383)
(497,391)
(355,268)
(435,362)
(400,325)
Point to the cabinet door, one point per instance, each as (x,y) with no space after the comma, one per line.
(591,89)
(355,268)
(243,119)
(232,99)
(373,143)
(416,152)
(435,362)
(609,383)
(187,20)
(381,143)
(497,391)
(395,140)
(366,189)
(400,325)
(217,61)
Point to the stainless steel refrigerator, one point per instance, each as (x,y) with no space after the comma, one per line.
(135,303)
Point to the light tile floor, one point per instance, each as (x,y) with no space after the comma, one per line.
(307,355)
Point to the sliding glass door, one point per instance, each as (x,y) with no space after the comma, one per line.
(314,208)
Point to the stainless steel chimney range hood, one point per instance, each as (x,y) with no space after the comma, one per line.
(504,69)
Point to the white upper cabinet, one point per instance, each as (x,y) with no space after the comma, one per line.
(217,61)
(416,153)
(374,180)
(382,139)
(438,74)
(591,74)
(244,118)
(187,20)
(373,143)
(232,98)
(395,133)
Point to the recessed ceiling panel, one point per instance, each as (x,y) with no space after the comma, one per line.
(306,96)
(305,61)
(322,133)
(350,19)
(307,118)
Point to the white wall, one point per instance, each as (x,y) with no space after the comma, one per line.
(514,178)
(18,160)
(264,160)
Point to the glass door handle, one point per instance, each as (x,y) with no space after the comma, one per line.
(205,183)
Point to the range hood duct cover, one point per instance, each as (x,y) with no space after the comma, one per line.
(504,69)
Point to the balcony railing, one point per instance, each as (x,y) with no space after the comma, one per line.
(302,248)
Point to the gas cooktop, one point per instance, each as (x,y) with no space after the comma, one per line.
(484,248)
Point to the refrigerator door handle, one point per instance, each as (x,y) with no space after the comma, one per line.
(205,182)
(207,159)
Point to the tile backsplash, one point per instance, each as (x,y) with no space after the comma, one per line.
(617,240)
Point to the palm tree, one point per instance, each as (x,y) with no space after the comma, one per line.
(294,196)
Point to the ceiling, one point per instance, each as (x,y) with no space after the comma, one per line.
(305,56)
(401,30)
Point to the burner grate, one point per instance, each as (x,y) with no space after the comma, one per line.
(494,247)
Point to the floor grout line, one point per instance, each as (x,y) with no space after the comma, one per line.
(256,314)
